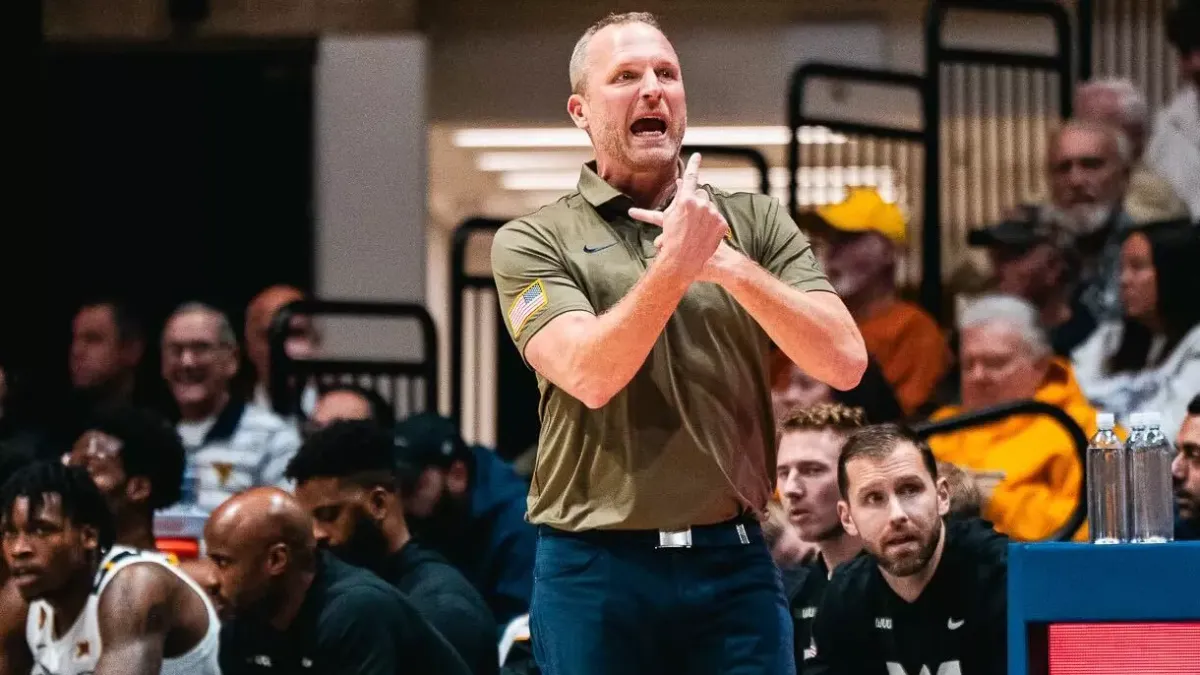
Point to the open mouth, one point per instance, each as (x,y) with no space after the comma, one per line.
(904,540)
(649,127)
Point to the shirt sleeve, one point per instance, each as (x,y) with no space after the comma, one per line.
(993,593)
(533,284)
(832,646)
(281,446)
(786,253)
(353,639)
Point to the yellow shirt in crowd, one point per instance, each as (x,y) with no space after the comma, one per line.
(1042,470)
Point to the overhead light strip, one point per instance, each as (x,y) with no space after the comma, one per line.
(569,137)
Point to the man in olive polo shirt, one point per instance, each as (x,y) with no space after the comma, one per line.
(649,332)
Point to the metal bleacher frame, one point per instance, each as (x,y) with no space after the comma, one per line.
(462,282)
(937,54)
(420,375)
(993,414)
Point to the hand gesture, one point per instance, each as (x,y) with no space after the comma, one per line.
(692,226)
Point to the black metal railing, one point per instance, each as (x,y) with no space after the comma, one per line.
(408,385)
(754,157)
(996,413)
(986,83)
(878,141)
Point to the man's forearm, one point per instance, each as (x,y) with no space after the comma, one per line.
(813,329)
(604,357)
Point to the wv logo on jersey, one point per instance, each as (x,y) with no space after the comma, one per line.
(947,668)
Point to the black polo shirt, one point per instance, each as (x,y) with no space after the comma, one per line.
(351,622)
(447,601)
(805,601)
(957,625)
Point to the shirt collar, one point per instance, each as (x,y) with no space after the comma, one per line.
(608,201)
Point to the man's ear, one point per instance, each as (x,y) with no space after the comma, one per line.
(943,496)
(577,108)
(277,559)
(90,537)
(844,515)
(377,503)
(137,489)
(457,480)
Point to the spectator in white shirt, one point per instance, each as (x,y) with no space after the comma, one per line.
(1174,150)
(231,445)
(1120,103)
(1150,359)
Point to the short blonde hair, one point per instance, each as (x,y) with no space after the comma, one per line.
(824,416)
(577,70)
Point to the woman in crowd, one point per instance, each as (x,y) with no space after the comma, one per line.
(1150,359)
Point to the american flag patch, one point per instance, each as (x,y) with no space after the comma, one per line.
(531,301)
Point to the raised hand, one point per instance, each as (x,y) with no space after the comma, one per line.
(692,226)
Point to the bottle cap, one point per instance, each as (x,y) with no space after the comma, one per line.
(1105,421)
(1152,419)
(1137,420)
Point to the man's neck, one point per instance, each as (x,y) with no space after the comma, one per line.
(68,603)
(1055,310)
(397,534)
(295,592)
(909,588)
(202,410)
(136,532)
(839,549)
(871,301)
(648,189)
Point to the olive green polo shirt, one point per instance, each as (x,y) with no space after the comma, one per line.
(690,440)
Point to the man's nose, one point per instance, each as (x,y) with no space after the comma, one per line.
(896,512)
(1178,468)
(19,546)
(793,488)
(651,87)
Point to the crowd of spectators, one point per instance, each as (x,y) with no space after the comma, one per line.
(1091,308)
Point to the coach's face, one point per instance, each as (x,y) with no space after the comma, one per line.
(632,103)
(42,548)
(807,471)
(896,507)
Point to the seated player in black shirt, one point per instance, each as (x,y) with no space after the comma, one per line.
(293,609)
(930,598)
(810,440)
(347,480)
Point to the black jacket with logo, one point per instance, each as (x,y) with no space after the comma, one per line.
(956,627)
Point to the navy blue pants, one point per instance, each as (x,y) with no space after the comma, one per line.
(607,604)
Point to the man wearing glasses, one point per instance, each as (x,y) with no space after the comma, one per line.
(231,445)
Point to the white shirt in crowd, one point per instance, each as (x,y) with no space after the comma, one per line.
(1174,149)
(244,446)
(1165,389)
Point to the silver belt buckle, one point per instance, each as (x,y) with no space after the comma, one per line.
(675,538)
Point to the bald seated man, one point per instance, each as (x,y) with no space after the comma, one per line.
(292,609)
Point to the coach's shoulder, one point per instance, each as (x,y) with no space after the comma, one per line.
(552,216)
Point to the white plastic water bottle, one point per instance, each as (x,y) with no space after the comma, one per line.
(1150,491)
(1107,484)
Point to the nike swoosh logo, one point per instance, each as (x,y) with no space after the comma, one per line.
(955,625)
(596,249)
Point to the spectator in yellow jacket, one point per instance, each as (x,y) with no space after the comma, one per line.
(1026,467)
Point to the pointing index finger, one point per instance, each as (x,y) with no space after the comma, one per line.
(691,174)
